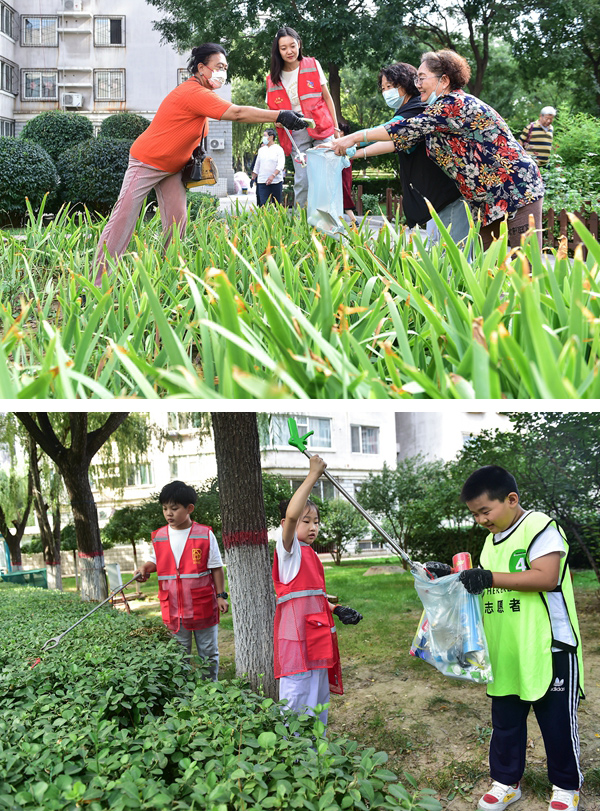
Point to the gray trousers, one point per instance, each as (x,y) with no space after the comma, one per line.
(207,645)
(303,141)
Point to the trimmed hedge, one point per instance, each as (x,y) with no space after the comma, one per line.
(114,718)
(26,171)
(123,125)
(57,130)
(92,173)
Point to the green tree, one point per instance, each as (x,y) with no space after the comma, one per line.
(341,524)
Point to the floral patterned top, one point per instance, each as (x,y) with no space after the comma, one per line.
(472,143)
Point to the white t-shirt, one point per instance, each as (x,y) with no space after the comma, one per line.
(550,540)
(178,539)
(270,160)
(289,562)
(289,80)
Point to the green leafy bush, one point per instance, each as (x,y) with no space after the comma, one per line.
(114,718)
(577,138)
(123,125)
(57,130)
(201,203)
(576,188)
(92,173)
(26,171)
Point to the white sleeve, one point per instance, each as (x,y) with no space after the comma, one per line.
(289,562)
(550,540)
(280,160)
(322,76)
(151,558)
(215,561)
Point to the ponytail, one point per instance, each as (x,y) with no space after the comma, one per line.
(202,54)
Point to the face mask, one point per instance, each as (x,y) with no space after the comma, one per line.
(265,140)
(218,79)
(433,95)
(392,98)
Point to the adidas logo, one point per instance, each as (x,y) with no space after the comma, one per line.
(558,686)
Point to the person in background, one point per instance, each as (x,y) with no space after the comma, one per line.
(297,82)
(473,145)
(242,182)
(268,169)
(536,138)
(159,154)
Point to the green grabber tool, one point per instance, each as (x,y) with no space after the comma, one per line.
(300,443)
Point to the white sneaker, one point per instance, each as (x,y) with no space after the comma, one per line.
(499,796)
(563,800)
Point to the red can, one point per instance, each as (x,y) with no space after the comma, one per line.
(461,561)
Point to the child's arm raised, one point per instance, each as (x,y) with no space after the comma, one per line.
(298,501)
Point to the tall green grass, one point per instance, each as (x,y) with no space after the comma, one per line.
(257,305)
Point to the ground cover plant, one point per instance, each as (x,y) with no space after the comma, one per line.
(256,305)
(114,718)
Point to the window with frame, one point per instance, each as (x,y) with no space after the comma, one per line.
(140,475)
(364,439)
(41,32)
(40,85)
(109,32)
(7,128)
(323,488)
(7,20)
(179,421)
(280,433)
(183,75)
(109,85)
(8,77)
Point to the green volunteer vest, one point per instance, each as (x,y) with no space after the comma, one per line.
(517,623)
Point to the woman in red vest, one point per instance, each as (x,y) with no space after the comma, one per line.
(307,659)
(298,83)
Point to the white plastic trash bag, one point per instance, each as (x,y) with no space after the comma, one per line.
(450,635)
(325,203)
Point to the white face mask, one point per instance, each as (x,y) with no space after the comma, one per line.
(265,140)
(218,79)
(392,98)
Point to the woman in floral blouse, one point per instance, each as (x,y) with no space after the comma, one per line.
(471,143)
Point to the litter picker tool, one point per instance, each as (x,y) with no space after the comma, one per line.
(300,157)
(299,442)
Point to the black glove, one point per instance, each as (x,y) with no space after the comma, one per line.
(437,569)
(347,615)
(476,580)
(291,120)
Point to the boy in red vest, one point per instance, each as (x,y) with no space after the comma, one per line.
(190,575)
(307,659)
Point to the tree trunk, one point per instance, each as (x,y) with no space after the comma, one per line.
(77,581)
(50,547)
(237,452)
(87,530)
(335,85)
(13,539)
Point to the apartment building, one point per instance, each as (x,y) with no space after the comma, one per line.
(96,58)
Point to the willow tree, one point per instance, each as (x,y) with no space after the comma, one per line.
(237,451)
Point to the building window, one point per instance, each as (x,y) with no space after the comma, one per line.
(280,433)
(8,77)
(40,85)
(109,85)
(183,75)
(179,421)
(109,31)
(140,475)
(7,128)
(39,31)
(7,20)
(364,439)
(323,489)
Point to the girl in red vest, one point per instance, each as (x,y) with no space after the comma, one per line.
(298,83)
(307,659)
(190,575)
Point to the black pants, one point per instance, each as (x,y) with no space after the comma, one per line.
(556,714)
(273,191)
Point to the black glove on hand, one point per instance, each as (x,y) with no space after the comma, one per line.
(476,580)
(291,120)
(347,615)
(437,569)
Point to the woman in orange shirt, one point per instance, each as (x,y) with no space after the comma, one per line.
(161,151)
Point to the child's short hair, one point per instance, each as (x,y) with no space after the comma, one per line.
(310,505)
(178,493)
(491,479)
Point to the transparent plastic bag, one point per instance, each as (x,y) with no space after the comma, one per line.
(325,203)
(450,635)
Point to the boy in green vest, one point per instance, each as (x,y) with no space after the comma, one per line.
(533,638)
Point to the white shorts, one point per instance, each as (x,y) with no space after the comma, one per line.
(304,691)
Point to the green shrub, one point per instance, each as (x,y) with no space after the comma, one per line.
(123,125)
(372,203)
(577,138)
(201,202)
(576,188)
(26,171)
(114,718)
(57,130)
(92,173)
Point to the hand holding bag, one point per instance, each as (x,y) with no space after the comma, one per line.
(200,170)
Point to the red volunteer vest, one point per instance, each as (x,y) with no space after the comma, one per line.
(305,637)
(311,101)
(187,594)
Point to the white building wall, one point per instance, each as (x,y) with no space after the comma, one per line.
(441,435)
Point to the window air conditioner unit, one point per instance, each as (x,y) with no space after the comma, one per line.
(216,143)
(73,5)
(72,100)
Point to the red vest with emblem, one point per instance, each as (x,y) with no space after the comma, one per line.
(187,594)
(311,101)
(305,637)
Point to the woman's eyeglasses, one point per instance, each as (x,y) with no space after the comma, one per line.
(420,79)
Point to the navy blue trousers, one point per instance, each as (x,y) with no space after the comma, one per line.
(265,193)
(556,714)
